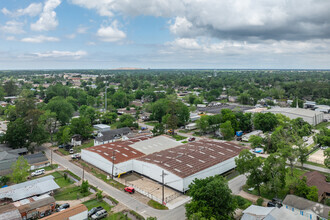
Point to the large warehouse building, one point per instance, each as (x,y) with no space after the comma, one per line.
(311,117)
(182,163)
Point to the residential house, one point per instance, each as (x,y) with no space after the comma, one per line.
(255,212)
(7,158)
(101,127)
(129,111)
(315,178)
(76,140)
(79,212)
(311,210)
(110,136)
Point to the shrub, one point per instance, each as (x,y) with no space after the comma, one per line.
(260,201)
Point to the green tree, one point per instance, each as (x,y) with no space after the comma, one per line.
(265,121)
(11,88)
(255,141)
(158,129)
(127,121)
(84,186)
(275,172)
(290,154)
(302,153)
(20,170)
(247,163)
(227,130)
(203,124)
(81,126)
(211,198)
(63,136)
(327,157)
(159,109)
(109,118)
(323,138)
(17,134)
(99,195)
(62,108)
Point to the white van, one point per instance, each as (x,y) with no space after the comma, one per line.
(38,172)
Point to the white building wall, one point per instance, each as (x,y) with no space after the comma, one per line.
(104,164)
(80,216)
(154,172)
(211,171)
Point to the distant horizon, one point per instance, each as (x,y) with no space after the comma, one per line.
(141,69)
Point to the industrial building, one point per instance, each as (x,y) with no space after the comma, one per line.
(311,117)
(181,163)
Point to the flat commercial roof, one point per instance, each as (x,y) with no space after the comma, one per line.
(122,150)
(191,158)
(295,111)
(29,188)
(155,144)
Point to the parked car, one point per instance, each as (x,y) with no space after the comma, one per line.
(38,172)
(76,156)
(94,210)
(61,146)
(324,147)
(71,151)
(100,214)
(271,204)
(191,139)
(130,190)
(63,207)
(277,202)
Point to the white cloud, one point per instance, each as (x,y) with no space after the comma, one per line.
(40,39)
(71,36)
(10,38)
(111,33)
(13,27)
(185,43)
(223,19)
(47,20)
(82,30)
(32,10)
(62,54)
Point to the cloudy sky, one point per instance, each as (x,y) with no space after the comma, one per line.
(52,34)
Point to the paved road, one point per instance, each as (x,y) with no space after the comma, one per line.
(237,183)
(174,214)
(124,198)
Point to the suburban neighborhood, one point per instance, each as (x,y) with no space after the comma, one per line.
(132,145)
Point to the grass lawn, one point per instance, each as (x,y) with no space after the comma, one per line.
(70,193)
(156,205)
(51,167)
(265,193)
(322,125)
(64,152)
(152,123)
(111,182)
(242,202)
(59,179)
(315,164)
(117,216)
(95,203)
(178,137)
(90,143)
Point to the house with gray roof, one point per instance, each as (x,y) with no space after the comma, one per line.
(7,158)
(311,210)
(109,136)
(40,186)
(255,212)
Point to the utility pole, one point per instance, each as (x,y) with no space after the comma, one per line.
(163,186)
(51,157)
(105,101)
(113,162)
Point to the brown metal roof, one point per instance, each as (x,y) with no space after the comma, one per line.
(315,178)
(123,152)
(65,214)
(191,158)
